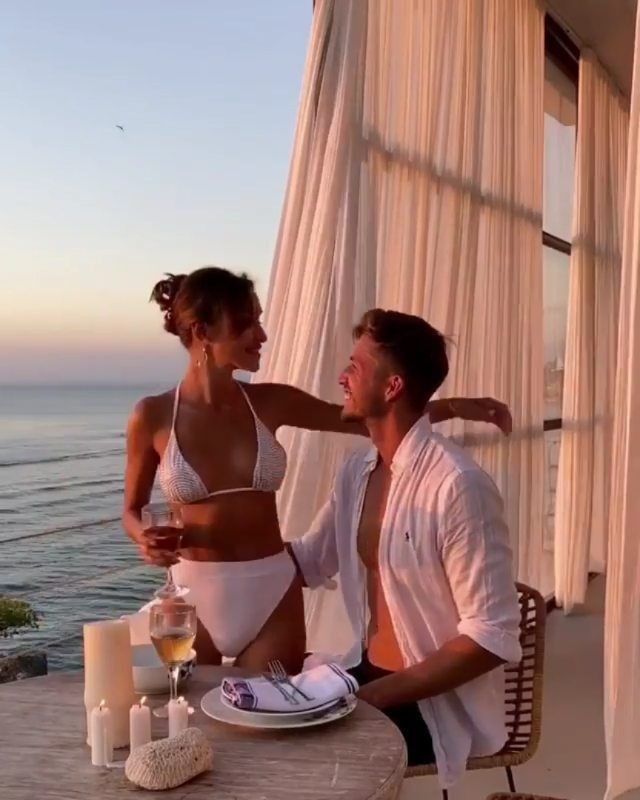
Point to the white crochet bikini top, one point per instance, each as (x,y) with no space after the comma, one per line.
(180,482)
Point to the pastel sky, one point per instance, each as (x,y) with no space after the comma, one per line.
(207,92)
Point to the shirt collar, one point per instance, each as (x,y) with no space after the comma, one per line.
(408,450)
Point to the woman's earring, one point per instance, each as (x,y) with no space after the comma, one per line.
(205,357)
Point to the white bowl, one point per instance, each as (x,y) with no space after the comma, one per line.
(150,675)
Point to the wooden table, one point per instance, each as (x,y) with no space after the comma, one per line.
(43,755)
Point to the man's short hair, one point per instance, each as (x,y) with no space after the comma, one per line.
(417,350)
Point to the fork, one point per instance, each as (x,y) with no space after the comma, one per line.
(290,698)
(279,673)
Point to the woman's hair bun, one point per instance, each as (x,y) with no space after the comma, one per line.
(164,294)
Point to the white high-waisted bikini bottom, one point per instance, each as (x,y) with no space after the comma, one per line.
(234,599)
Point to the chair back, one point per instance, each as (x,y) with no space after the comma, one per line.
(523,681)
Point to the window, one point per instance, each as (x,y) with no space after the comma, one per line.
(555,300)
(560,123)
(560,119)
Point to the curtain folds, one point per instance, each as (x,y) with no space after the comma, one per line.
(622,606)
(583,491)
(416,184)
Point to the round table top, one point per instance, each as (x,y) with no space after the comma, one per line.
(44,755)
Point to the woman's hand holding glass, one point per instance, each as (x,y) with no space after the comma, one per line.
(159,546)
(162,525)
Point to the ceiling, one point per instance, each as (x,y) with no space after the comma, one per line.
(607,27)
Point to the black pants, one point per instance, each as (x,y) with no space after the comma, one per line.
(406,717)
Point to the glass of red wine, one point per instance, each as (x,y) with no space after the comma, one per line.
(169,519)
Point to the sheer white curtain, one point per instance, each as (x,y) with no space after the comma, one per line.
(583,490)
(622,611)
(319,286)
(453,125)
(416,184)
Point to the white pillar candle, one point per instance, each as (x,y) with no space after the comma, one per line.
(101,730)
(139,724)
(108,674)
(178,716)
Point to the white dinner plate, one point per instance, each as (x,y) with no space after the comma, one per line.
(213,707)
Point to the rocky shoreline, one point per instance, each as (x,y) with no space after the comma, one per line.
(19,667)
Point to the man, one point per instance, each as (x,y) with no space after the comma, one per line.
(415,530)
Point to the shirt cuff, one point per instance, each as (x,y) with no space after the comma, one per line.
(504,644)
(306,563)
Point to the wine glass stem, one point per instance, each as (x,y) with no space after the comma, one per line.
(170,584)
(174,674)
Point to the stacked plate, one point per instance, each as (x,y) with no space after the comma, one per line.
(218,707)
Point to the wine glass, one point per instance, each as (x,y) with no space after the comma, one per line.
(169,518)
(172,627)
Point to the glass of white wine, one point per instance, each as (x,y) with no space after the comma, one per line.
(172,627)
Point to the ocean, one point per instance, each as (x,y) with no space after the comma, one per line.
(62,547)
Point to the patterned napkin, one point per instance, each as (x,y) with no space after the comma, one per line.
(322,684)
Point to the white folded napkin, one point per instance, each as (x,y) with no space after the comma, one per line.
(322,684)
(315,659)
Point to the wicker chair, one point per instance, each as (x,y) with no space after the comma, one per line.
(523,700)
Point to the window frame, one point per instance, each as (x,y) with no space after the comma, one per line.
(560,49)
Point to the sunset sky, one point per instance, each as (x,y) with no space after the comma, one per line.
(207,92)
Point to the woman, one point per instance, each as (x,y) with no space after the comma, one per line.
(211,441)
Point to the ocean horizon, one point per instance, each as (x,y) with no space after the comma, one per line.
(62,547)
(160,385)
